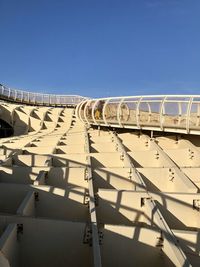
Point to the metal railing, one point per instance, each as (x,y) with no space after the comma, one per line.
(25,97)
(172,113)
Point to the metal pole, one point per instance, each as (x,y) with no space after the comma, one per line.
(118,112)
(138,113)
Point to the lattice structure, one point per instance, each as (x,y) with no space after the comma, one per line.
(76,195)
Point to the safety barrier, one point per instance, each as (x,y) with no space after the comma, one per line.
(25,97)
(171,113)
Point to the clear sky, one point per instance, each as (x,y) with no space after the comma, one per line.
(101,47)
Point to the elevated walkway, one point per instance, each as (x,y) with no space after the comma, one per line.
(169,113)
(38,99)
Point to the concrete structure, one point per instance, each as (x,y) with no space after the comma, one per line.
(73,194)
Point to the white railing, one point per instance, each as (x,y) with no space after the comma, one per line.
(38,98)
(172,113)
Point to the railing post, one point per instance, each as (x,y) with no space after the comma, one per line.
(79,111)
(2,88)
(9,91)
(104,108)
(138,113)
(162,108)
(84,112)
(150,113)
(179,113)
(22,96)
(118,112)
(15,95)
(188,115)
(93,117)
(198,114)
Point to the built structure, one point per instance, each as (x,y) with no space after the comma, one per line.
(99,182)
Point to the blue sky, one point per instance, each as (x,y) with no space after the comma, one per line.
(101,48)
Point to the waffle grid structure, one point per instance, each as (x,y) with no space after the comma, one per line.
(72,194)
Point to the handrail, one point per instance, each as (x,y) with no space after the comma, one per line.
(30,98)
(170,113)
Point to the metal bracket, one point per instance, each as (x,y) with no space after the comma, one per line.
(20,230)
(157,155)
(36,195)
(86,198)
(117,147)
(100,237)
(87,238)
(143,200)
(86,176)
(160,242)
(130,174)
(177,139)
(191,154)
(46,175)
(196,204)
(146,143)
(96,200)
(122,156)
(171,175)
